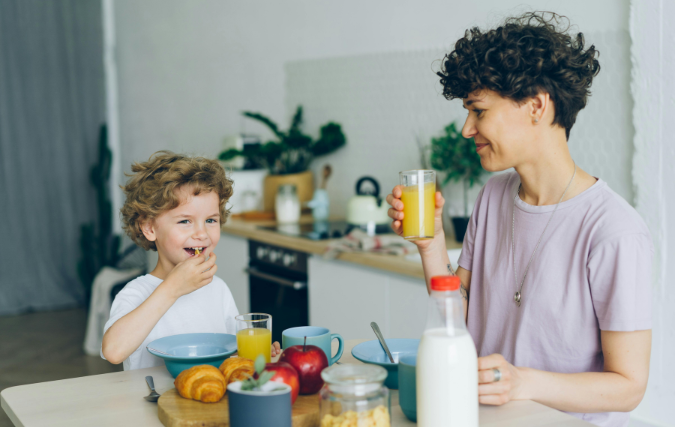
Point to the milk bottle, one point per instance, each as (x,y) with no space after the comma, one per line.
(447,365)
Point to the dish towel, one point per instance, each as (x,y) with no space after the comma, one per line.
(359,241)
(99,308)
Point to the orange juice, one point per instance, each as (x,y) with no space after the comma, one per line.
(418,211)
(252,342)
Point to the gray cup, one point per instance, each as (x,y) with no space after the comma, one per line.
(266,408)
(407,387)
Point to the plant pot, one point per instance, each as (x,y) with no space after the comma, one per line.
(259,408)
(304,184)
(460,223)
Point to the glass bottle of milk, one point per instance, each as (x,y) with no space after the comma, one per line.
(447,365)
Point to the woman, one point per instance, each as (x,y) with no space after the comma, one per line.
(555,266)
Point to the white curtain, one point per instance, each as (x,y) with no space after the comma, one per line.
(52,102)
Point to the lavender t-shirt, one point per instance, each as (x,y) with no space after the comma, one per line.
(592,272)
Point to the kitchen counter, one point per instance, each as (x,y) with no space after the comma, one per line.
(116,399)
(389,263)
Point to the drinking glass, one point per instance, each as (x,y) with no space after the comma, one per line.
(254,335)
(419,203)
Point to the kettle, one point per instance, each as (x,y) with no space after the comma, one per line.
(366,208)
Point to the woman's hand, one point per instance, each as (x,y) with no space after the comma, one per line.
(509,387)
(396,213)
(276,349)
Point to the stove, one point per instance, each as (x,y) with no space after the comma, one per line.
(326,229)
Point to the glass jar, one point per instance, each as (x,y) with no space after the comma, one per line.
(287,205)
(354,395)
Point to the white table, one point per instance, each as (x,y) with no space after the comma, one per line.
(116,399)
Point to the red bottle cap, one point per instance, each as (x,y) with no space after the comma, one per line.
(445,283)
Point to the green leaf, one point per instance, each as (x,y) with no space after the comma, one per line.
(264,377)
(266,121)
(230,154)
(259,364)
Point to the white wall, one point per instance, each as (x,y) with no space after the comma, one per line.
(653,89)
(187,69)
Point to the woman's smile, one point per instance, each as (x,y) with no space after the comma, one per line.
(480,146)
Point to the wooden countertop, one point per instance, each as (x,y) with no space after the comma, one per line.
(390,263)
(116,399)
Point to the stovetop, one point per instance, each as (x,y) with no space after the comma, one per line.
(326,230)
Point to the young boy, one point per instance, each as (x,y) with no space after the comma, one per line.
(175,205)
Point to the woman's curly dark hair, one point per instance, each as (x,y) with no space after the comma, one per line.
(521,58)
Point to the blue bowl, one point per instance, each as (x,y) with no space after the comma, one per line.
(372,352)
(187,350)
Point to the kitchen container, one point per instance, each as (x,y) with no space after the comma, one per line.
(269,407)
(447,363)
(372,352)
(183,351)
(354,395)
(287,205)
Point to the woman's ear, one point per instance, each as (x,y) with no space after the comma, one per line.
(540,104)
(148,229)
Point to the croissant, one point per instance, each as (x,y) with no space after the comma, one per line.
(203,382)
(237,369)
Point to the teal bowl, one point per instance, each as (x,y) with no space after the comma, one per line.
(372,352)
(181,352)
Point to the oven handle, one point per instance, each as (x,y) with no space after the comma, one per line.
(297,285)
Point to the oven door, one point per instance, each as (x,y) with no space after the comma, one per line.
(280,292)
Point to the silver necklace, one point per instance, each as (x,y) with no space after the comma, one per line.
(518,295)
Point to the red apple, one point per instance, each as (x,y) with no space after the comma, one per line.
(285,373)
(309,361)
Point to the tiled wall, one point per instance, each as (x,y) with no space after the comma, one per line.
(385,101)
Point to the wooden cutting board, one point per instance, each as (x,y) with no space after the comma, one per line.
(175,411)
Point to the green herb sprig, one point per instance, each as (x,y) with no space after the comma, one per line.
(255,384)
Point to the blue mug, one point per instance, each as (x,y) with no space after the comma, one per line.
(407,386)
(320,337)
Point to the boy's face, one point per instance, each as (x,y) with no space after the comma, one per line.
(195,223)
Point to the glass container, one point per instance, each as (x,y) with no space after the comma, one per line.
(254,335)
(287,204)
(419,203)
(354,395)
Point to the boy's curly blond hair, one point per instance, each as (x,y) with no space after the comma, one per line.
(152,189)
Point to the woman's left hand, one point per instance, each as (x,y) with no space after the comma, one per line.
(509,387)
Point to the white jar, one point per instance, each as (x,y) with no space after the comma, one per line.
(287,204)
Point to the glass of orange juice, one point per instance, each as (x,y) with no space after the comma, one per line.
(419,203)
(254,335)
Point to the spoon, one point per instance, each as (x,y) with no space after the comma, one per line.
(327,170)
(376,329)
(153,396)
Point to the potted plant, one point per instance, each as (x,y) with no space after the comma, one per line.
(288,158)
(257,401)
(456,156)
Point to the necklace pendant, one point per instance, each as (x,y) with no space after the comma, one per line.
(516,298)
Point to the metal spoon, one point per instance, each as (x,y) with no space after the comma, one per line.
(376,329)
(153,396)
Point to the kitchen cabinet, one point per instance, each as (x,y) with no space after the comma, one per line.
(345,298)
(232,259)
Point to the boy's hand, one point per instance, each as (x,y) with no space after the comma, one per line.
(191,274)
(276,349)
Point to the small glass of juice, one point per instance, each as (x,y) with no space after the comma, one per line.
(419,203)
(254,335)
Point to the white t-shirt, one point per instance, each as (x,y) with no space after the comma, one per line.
(209,309)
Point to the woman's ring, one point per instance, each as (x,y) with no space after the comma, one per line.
(497,373)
